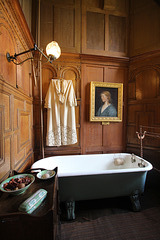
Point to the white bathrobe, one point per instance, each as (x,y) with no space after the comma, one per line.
(60,102)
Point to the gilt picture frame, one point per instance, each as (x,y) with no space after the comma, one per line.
(106,102)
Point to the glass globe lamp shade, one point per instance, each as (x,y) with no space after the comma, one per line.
(53,50)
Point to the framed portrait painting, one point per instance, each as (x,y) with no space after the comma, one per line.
(106,100)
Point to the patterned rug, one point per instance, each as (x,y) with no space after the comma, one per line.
(144,225)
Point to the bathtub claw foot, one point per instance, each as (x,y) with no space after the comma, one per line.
(70,207)
(135,201)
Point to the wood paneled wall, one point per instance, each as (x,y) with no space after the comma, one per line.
(144,80)
(144,26)
(84,26)
(98,138)
(104,28)
(92,137)
(16,108)
(144,106)
(60,20)
(85,31)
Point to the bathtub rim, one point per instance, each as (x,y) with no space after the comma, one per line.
(108,171)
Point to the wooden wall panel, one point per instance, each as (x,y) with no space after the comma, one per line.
(143,106)
(115,5)
(134,108)
(104,28)
(6,100)
(60,20)
(1,130)
(95,30)
(113,138)
(147,79)
(47,26)
(91,132)
(81,26)
(115,74)
(93,136)
(7,40)
(18,105)
(16,113)
(24,77)
(98,138)
(5,142)
(24,129)
(48,73)
(26,6)
(65,27)
(73,28)
(85,27)
(117,34)
(145,34)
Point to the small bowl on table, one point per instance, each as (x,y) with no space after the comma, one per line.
(46,174)
(17,184)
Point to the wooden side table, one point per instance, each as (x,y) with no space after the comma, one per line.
(41,224)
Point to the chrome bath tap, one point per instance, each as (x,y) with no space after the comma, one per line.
(133,158)
(141,164)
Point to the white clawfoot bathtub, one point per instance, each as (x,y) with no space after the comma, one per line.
(97,176)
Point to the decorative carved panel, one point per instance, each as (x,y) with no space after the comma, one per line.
(5,132)
(72,73)
(22,130)
(16,144)
(48,73)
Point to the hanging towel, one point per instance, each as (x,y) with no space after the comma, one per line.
(60,102)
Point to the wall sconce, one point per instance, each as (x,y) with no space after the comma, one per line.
(53,52)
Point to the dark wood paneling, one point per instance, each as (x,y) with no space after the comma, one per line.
(46,22)
(144,104)
(64,30)
(105,32)
(117,34)
(144,26)
(144,79)
(60,21)
(95,31)
(82,26)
